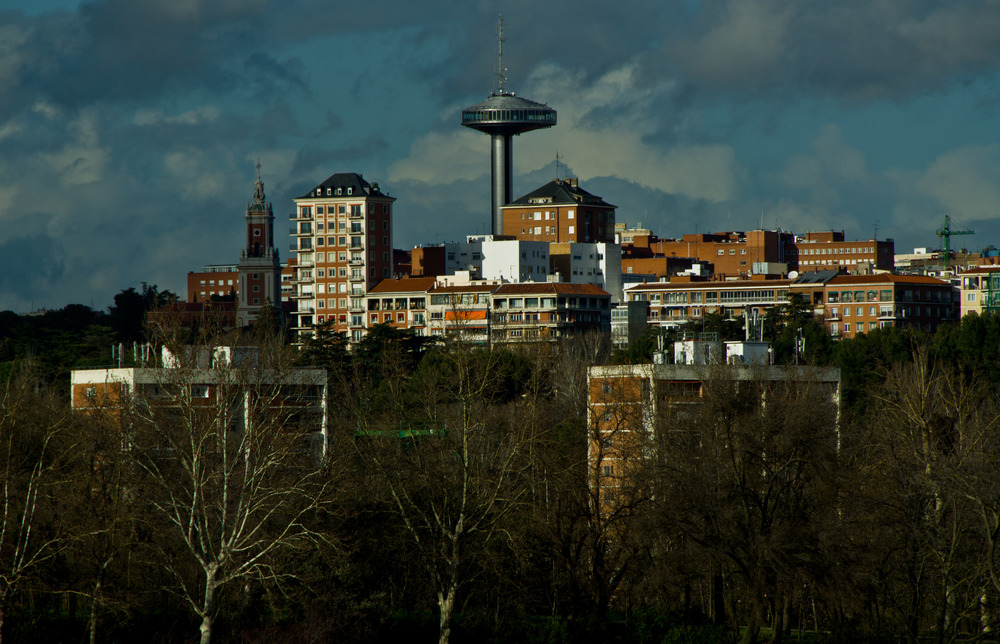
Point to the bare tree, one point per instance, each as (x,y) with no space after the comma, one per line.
(748,480)
(927,427)
(229,471)
(31,452)
(450,465)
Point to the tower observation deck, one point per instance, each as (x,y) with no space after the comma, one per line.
(503,115)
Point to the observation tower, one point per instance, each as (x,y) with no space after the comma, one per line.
(503,115)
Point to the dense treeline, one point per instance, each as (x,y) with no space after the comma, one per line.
(457,503)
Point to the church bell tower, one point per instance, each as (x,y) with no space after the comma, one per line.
(259,268)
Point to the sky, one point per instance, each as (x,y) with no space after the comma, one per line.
(130,129)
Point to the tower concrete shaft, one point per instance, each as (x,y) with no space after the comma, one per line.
(501,170)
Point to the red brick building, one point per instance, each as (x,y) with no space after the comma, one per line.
(560,211)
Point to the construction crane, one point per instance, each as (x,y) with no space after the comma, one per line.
(946,234)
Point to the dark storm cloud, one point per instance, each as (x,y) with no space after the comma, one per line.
(138,49)
(854,49)
(38,251)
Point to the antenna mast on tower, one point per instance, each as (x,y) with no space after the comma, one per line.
(501,70)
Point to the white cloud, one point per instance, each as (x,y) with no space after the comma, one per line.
(47,109)
(966,181)
(745,43)
(438,158)
(81,160)
(203,114)
(833,168)
(195,174)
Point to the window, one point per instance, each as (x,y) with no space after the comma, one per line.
(608,470)
(722,252)
(847,327)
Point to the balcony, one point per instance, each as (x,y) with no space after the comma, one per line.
(295,216)
(356,215)
(356,262)
(356,278)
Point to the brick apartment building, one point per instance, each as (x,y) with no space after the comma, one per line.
(848,304)
(343,246)
(560,211)
(862,303)
(739,254)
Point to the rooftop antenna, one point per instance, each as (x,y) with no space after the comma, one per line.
(501,70)
(876,230)
(557,165)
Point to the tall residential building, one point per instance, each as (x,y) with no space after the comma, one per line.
(343,242)
(560,211)
(259,269)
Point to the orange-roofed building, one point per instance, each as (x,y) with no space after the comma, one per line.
(400,302)
(461,309)
(862,303)
(532,312)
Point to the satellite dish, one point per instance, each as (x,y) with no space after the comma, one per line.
(792,274)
